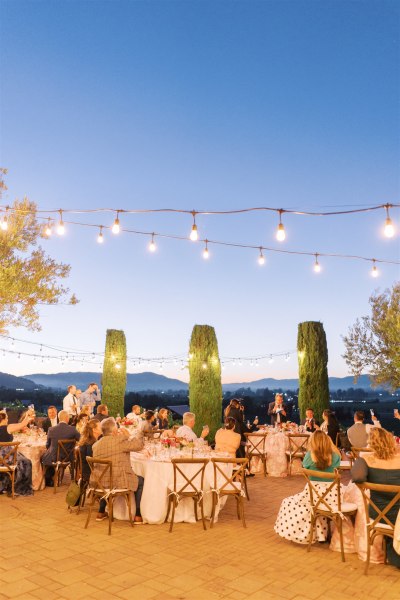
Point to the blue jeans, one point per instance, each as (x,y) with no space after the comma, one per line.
(138,497)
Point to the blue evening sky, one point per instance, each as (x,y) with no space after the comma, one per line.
(205,105)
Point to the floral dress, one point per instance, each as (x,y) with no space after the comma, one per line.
(23,473)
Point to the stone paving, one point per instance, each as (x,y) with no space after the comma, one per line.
(46,553)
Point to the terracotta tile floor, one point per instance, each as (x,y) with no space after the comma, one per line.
(46,553)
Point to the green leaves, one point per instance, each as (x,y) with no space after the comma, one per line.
(114,372)
(313,371)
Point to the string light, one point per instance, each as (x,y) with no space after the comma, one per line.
(271,360)
(280,233)
(116,226)
(374,270)
(389,227)
(194,234)
(317,266)
(48,231)
(204,366)
(152,245)
(118,367)
(100,237)
(206,253)
(261,258)
(60,226)
(4,222)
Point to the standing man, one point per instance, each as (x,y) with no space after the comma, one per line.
(90,396)
(277,410)
(71,403)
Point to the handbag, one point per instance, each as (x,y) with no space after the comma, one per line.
(73,494)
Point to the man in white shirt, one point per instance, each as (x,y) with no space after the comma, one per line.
(70,402)
(359,432)
(135,415)
(186,431)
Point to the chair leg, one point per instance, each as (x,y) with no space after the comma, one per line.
(90,511)
(202,514)
(13,484)
(339,525)
(55,480)
(237,507)
(195,509)
(242,511)
(110,513)
(311,534)
(368,552)
(214,503)
(173,514)
(129,503)
(168,509)
(245,487)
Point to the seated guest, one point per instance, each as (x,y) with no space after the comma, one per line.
(62,431)
(359,432)
(135,415)
(81,421)
(234,411)
(23,475)
(294,517)
(90,435)
(101,412)
(382,465)
(148,423)
(226,439)
(51,420)
(186,431)
(309,422)
(277,410)
(116,446)
(162,419)
(330,424)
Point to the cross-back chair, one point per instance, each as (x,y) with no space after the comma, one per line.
(297,447)
(255,448)
(65,458)
(101,472)
(188,483)
(8,461)
(233,485)
(378,523)
(323,505)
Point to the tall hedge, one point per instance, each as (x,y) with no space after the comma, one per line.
(114,372)
(313,371)
(205,388)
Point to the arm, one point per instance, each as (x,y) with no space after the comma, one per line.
(359,471)
(14,427)
(128,445)
(271,408)
(307,461)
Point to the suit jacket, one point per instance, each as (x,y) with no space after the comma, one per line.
(307,425)
(274,415)
(46,424)
(117,448)
(62,431)
(100,417)
(358,435)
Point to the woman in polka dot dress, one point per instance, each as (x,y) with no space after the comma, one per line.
(294,517)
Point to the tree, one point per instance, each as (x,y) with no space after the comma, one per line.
(373,343)
(205,388)
(29,278)
(313,372)
(114,371)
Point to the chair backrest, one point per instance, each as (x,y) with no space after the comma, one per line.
(255,443)
(225,483)
(393,497)
(298,442)
(8,456)
(189,480)
(65,450)
(324,495)
(357,451)
(100,470)
(78,463)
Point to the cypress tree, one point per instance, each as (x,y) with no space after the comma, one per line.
(313,372)
(114,372)
(205,388)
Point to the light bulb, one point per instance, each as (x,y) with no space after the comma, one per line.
(60,226)
(118,367)
(271,360)
(206,253)
(116,227)
(47,231)
(389,228)
(100,238)
(280,233)
(374,271)
(4,224)
(204,365)
(261,258)
(194,235)
(152,245)
(287,357)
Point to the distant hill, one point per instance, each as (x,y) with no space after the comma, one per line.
(12,382)
(335,383)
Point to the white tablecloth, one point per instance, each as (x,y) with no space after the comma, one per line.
(158,476)
(34,450)
(276,444)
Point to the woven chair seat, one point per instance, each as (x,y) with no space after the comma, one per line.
(347,507)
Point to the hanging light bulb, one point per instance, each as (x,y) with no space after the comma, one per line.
(374,270)
(389,227)
(100,237)
(4,222)
(204,365)
(271,360)
(118,367)
(194,234)
(116,227)
(60,226)
(206,253)
(240,362)
(317,266)
(280,233)
(152,245)
(257,363)
(261,258)
(47,230)
(287,357)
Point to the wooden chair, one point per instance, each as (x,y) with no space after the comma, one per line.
(380,524)
(297,447)
(323,506)
(65,458)
(187,485)
(255,448)
(229,486)
(78,472)
(101,470)
(355,452)
(8,462)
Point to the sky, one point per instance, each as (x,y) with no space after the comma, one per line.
(209,105)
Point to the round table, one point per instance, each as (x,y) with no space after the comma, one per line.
(33,449)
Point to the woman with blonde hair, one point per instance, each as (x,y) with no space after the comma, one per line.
(294,517)
(382,465)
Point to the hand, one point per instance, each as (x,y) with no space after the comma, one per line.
(374,418)
(255,422)
(205,432)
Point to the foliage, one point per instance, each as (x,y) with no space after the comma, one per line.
(313,372)
(28,276)
(373,343)
(114,372)
(205,388)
